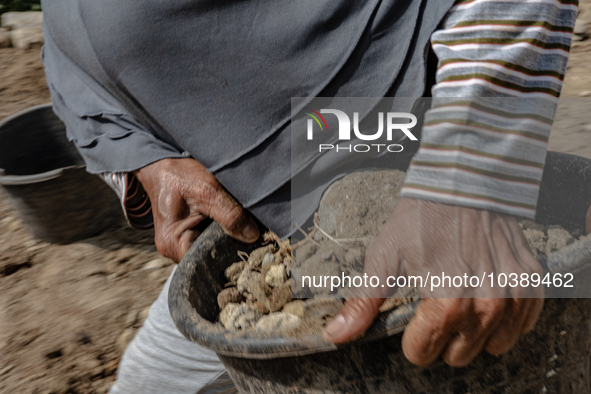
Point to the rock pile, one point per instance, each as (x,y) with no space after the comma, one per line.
(259,286)
(258,294)
(22,29)
(544,240)
(351,213)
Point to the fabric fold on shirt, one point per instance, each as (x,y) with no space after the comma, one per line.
(195,72)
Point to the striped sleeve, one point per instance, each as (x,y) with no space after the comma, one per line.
(501,69)
(134,200)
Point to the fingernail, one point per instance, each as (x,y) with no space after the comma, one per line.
(335,326)
(251,231)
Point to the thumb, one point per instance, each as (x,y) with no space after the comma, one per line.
(353,320)
(359,312)
(234,219)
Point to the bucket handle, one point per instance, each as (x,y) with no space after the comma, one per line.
(17,180)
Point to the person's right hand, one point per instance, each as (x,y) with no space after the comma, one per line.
(183,194)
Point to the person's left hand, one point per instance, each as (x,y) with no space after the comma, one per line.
(423,237)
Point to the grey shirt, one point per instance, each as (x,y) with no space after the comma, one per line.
(136,82)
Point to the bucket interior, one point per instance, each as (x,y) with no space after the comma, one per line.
(565,196)
(34,141)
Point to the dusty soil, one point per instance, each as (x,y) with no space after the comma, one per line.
(67,311)
(571,132)
(22,81)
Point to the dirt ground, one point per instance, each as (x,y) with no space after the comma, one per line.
(67,311)
(571,132)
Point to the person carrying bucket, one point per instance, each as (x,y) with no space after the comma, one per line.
(183,107)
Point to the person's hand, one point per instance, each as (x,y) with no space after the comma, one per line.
(424,237)
(183,196)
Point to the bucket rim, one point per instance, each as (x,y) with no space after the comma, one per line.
(25,111)
(20,180)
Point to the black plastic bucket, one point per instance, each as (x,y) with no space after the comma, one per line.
(46,182)
(554,358)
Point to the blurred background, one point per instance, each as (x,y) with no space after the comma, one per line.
(67,312)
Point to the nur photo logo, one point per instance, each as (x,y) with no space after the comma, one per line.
(387,122)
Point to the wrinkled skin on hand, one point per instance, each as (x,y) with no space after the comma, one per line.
(421,237)
(183,196)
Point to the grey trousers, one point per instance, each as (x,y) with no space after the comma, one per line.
(160,360)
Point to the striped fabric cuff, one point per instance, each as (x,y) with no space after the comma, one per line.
(501,69)
(134,200)
(485,153)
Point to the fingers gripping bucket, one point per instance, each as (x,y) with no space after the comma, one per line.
(46,182)
(554,358)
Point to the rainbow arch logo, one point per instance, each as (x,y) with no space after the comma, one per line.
(316,115)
